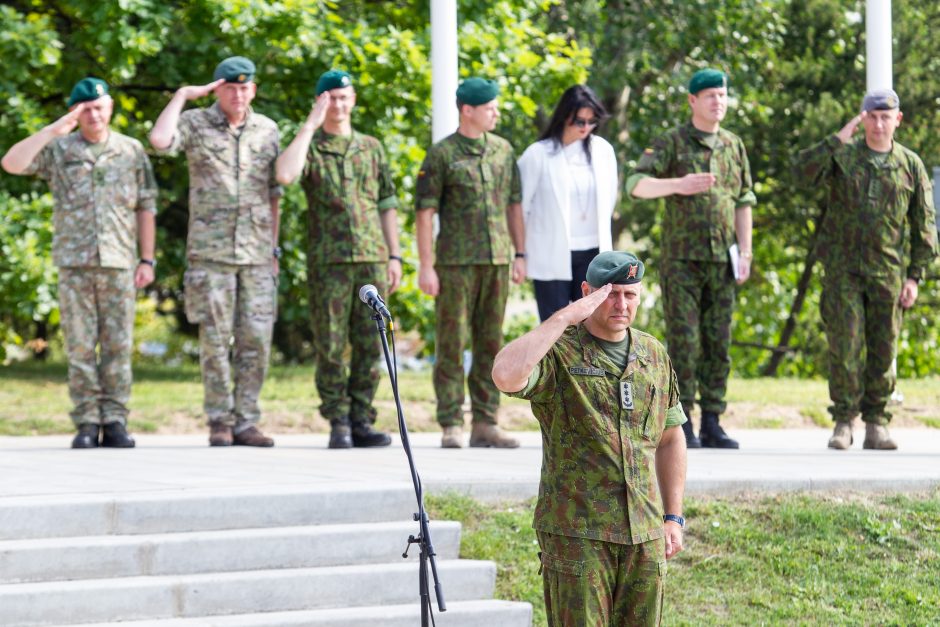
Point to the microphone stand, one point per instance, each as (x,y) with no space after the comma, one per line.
(423,539)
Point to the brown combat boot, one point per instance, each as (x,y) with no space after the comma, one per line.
(842,435)
(252,436)
(220,434)
(486,435)
(877,437)
(452,437)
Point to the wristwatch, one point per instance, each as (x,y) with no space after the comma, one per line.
(148,262)
(679,520)
(520,255)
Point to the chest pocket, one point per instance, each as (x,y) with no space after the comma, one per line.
(589,403)
(465,173)
(649,414)
(77,178)
(689,162)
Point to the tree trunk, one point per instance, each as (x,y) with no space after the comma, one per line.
(770,370)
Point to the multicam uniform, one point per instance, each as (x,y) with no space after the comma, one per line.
(98,189)
(230,287)
(348,185)
(696,276)
(471,183)
(873,199)
(599,517)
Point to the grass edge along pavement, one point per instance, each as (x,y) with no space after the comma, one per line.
(795,558)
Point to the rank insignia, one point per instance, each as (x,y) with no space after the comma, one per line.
(626,394)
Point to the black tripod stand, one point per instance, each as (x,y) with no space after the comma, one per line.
(423,539)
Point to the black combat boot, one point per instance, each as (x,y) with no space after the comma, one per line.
(87,436)
(363,435)
(340,433)
(712,435)
(115,436)
(690,440)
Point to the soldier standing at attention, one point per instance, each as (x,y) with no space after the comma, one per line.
(105,208)
(232,242)
(471,180)
(607,400)
(353,241)
(703,172)
(877,189)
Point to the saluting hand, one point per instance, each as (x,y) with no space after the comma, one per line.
(194,92)
(846,132)
(67,123)
(317,113)
(696,183)
(583,307)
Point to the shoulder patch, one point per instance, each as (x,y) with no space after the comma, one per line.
(648,151)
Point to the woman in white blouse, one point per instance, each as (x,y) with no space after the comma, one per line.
(569,189)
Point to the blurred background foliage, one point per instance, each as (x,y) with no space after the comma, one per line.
(797,68)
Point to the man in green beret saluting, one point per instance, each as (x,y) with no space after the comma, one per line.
(353,241)
(877,190)
(471,181)
(103,245)
(609,512)
(703,172)
(231,281)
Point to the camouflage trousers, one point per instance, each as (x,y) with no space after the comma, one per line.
(470,306)
(698,300)
(589,583)
(346,385)
(862,318)
(97,310)
(240,302)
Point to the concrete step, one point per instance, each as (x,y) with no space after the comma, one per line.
(192,596)
(98,557)
(458,614)
(201,510)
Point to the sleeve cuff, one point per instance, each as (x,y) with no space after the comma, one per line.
(633,179)
(426,203)
(746,200)
(388,203)
(675,416)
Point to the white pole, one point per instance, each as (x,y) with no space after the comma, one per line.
(878,46)
(444,119)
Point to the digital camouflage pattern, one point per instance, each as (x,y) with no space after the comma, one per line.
(231,185)
(872,202)
(226,300)
(471,183)
(699,227)
(698,301)
(469,310)
(349,185)
(96,199)
(339,319)
(589,583)
(97,310)
(598,461)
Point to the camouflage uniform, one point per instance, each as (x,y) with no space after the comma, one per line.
(599,516)
(230,287)
(471,183)
(97,191)
(348,185)
(696,276)
(872,201)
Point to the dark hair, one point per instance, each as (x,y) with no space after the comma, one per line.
(575,98)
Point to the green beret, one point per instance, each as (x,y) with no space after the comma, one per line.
(476,91)
(235,70)
(88,89)
(881,100)
(334,79)
(614,266)
(706,79)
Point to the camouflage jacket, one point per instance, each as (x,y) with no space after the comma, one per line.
(231,185)
(600,430)
(471,184)
(699,227)
(870,206)
(96,199)
(346,194)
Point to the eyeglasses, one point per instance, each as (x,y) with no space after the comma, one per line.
(581,122)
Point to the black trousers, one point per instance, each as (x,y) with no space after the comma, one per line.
(550,296)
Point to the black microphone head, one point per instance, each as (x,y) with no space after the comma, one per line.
(367,290)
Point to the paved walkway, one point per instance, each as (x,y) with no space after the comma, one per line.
(769,460)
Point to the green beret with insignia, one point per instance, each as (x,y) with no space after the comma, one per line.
(476,91)
(706,79)
(881,100)
(235,70)
(334,79)
(614,266)
(88,89)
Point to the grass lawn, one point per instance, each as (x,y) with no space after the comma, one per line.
(794,559)
(34,401)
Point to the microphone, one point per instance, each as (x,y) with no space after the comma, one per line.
(370,296)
